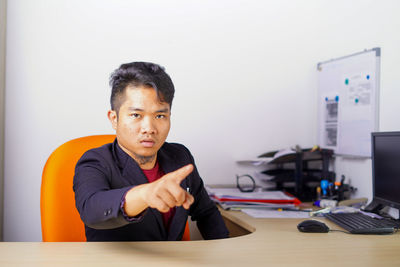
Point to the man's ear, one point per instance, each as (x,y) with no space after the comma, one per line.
(112,116)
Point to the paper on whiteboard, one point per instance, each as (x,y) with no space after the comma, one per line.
(358,89)
(331,109)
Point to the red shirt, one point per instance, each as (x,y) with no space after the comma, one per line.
(153,175)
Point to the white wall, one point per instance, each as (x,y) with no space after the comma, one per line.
(244,71)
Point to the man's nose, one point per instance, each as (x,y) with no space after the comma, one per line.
(148,126)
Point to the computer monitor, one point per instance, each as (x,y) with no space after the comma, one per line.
(385,170)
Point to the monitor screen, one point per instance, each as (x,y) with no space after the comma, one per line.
(386,168)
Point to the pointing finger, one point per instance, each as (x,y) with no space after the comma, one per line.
(181,173)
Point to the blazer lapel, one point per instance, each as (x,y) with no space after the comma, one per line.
(130,170)
(133,173)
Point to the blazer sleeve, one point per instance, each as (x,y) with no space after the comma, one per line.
(98,204)
(203,210)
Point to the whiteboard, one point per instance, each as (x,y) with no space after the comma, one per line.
(348,102)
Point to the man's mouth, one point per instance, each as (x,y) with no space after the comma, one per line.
(147,143)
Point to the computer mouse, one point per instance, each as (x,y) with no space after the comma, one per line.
(312,226)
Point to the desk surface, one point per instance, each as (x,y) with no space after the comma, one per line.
(272,242)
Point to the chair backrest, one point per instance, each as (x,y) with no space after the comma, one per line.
(60,218)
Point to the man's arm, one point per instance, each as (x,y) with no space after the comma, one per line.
(204,211)
(98,204)
(209,219)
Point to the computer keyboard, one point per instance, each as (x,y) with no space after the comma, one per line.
(358,223)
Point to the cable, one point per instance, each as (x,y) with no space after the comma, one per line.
(334,230)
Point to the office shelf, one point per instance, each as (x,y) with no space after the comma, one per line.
(293,174)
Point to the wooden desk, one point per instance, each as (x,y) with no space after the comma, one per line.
(273,242)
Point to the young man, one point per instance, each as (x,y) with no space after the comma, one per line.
(141,188)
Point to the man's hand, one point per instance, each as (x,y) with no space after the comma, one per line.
(166,192)
(163,194)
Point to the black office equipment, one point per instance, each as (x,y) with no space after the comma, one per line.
(386,184)
(385,171)
(312,226)
(358,223)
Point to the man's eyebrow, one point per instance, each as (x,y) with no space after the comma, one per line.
(164,110)
(135,109)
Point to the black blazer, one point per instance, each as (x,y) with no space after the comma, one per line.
(102,177)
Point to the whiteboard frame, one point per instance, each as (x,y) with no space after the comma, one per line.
(375,101)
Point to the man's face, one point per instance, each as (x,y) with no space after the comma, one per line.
(142,124)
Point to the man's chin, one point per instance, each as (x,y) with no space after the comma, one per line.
(144,159)
(146,152)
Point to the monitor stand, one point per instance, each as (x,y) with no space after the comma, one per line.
(374,207)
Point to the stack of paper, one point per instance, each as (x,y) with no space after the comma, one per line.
(268,213)
(233,198)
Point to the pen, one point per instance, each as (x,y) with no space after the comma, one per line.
(294,209)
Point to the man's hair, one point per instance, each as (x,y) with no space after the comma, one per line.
(137,74)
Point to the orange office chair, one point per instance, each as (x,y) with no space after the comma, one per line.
(60,218)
